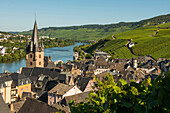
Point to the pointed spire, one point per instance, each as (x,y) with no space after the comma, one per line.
(35,37)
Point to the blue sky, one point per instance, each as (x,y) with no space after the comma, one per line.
(18,15)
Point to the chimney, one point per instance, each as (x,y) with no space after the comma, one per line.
(135,64)
(50,58)
(12,107)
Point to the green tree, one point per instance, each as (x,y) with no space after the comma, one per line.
(121,97)
(88,56)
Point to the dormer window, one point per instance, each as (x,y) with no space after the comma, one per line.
(26,81)
(21,82)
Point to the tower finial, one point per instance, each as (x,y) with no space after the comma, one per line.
(35,14)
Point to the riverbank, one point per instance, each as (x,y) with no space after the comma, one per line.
(57,53)
(15,55)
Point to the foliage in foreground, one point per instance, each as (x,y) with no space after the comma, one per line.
(121,97)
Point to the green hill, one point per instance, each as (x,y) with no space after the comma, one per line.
(149,40)
(96,32)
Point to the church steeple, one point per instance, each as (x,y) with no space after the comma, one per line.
(35,43)
(35,36)
(35,50)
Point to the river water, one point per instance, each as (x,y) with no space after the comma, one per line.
(57,53)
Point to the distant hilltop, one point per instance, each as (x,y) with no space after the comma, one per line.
(96,32)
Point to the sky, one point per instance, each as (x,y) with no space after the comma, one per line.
(19,15)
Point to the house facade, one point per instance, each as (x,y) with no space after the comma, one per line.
(12,86)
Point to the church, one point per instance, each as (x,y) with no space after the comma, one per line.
(35,52)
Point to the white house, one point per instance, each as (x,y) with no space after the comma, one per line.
(45,37)
(131,44)
(2,50)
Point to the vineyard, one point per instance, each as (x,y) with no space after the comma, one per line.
(149,40)
(96,31)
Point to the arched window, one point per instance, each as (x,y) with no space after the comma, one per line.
(39,56)
(39,63)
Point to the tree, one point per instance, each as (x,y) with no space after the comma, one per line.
(88,56)
(121,97)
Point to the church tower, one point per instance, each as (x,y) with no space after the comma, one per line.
(35,50)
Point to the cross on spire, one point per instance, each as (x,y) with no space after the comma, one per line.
(35,14)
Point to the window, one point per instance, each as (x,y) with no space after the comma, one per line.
(30,55)
(2,85)
(39,56)
(39,63)
(22,90)
(27,89)
(50,95)
(31,63)
(26,81)
(21,82)
(13,92)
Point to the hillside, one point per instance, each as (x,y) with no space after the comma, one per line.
(150,40)
(96,32)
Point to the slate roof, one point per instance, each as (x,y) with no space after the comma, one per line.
(50,65)
(91,67)
(3,107)
(101,61)
(76,98)
(58,106)
(33,73)
(26,71)
(82,83)
(18,79)
(36,106)
(60,89)
(50,84)
(78,64)
(4,79)
(68,66)
(17,106)
(37,71)
(101,75)
(149,64)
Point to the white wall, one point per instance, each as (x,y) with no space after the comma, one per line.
(72,91)
(8,91)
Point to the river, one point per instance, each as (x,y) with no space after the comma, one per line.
(57,53)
